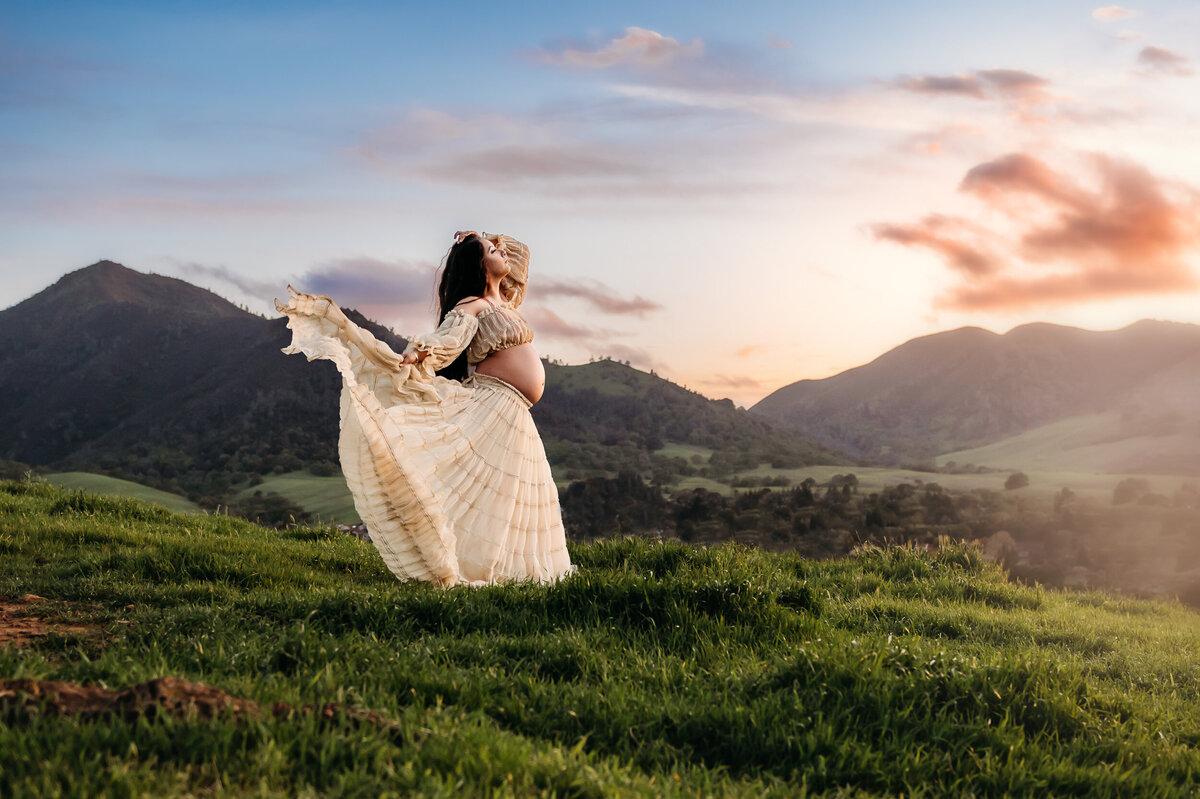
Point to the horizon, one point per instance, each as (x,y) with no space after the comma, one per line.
(734,200)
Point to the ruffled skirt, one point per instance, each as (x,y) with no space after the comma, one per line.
(450,478)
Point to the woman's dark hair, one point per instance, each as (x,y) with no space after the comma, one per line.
(463,275)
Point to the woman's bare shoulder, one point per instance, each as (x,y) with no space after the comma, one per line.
(472,305)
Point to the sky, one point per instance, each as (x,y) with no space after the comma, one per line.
(734,195)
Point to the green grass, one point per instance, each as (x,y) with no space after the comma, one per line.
(693,482)
(327,498)
(1094,443)
(112,486)
(658,669)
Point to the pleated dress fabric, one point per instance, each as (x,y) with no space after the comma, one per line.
(450,478)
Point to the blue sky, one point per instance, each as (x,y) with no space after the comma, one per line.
(736,195)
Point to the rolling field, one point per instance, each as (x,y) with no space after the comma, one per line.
(112,486)
(1102,443)
(327,498)
(1041,483)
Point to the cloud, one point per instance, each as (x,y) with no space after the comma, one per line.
(622,148)
(599,296)
(636,356)
(954,239)
(738,382)
(1126,235)
(636,47)
(371,281)
(260,289)
(744,390)
(509,163)
(392,292)
(42,77)
(967,85)
(550,325)
(598,343)
(1114,13)
(779,43)
(660,60)
(980,84)
(1164,61)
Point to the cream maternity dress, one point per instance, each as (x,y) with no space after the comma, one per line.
(450,478)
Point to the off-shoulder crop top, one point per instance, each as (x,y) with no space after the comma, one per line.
(500,327)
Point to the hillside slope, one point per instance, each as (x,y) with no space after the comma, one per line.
(968,387)
(656,670)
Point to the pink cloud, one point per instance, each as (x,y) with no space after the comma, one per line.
(1113,13)
(597,295)
(1127,236)
(1165,62)
(549,324)
(980,84)
(954,239)
(636,47)
(599,342)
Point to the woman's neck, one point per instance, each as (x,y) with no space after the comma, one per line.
(492,290)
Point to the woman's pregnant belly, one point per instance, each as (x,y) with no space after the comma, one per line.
(518,366)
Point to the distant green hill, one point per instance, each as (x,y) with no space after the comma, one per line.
(111,486)
(326,498)
(657,669)
(609,416)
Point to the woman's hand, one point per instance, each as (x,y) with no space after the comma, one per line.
(462,234)
(416,356)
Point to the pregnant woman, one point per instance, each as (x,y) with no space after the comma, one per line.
(437,444)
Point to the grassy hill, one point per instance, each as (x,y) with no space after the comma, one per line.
(112,486)
(1096,443)
(656,670)
(326,498)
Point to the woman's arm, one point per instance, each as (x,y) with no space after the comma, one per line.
(439,348)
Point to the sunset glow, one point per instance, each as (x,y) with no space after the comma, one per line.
(737,198)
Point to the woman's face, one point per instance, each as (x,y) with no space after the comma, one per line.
(494,260)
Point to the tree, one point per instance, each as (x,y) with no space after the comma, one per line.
(1130,489)
(1016,480)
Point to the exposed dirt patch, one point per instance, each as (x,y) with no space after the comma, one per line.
(170,696)
(32,616)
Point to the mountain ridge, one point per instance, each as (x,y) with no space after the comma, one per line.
(967,387)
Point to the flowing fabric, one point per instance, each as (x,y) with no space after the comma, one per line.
(450,478)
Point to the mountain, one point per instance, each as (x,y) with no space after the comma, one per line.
(152,378)
(967,388)
(113,370)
